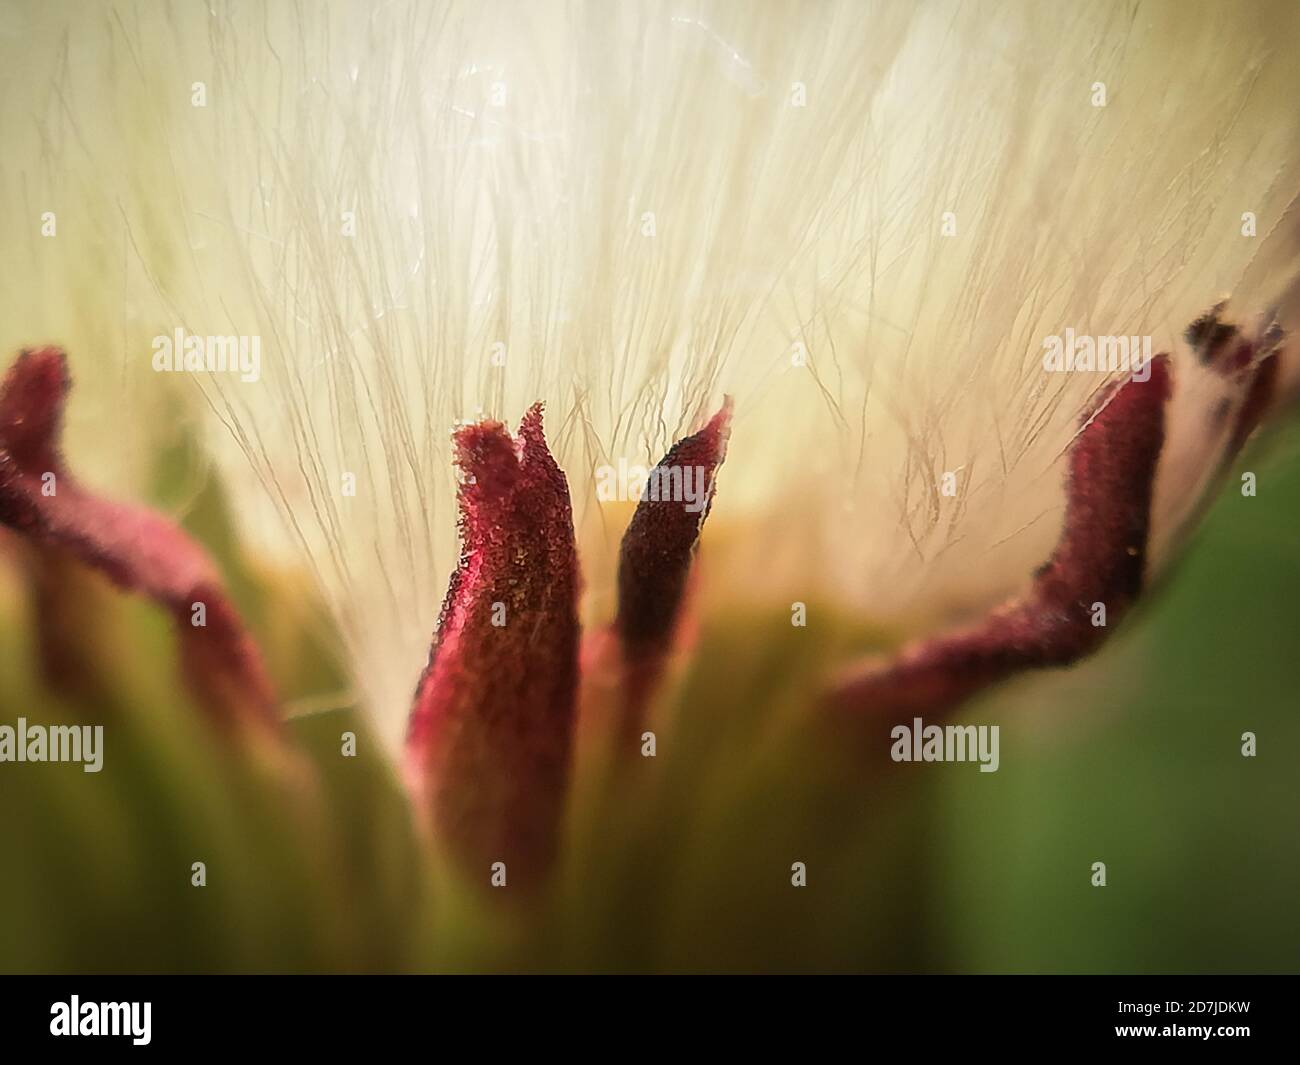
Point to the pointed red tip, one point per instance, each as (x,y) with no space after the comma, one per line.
(488,743)
(656,554)
(530,427)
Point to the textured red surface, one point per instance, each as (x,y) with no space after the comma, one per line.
(655,562)
(490,734)
(659,544)
(1099,558)
(139,550)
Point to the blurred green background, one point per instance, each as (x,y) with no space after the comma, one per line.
(1132,758)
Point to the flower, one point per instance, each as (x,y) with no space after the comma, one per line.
(864,222)
(489,744)
(489,747)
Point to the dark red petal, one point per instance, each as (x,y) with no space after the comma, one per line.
(1099,558)
(655,558)
(1259,397)
(137,549)
(489,742)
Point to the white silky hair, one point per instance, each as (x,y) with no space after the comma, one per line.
(859,219)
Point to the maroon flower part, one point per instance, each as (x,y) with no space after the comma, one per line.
(139,550)
(1259,397)
(488,747)
(1099,559)
(656,555)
